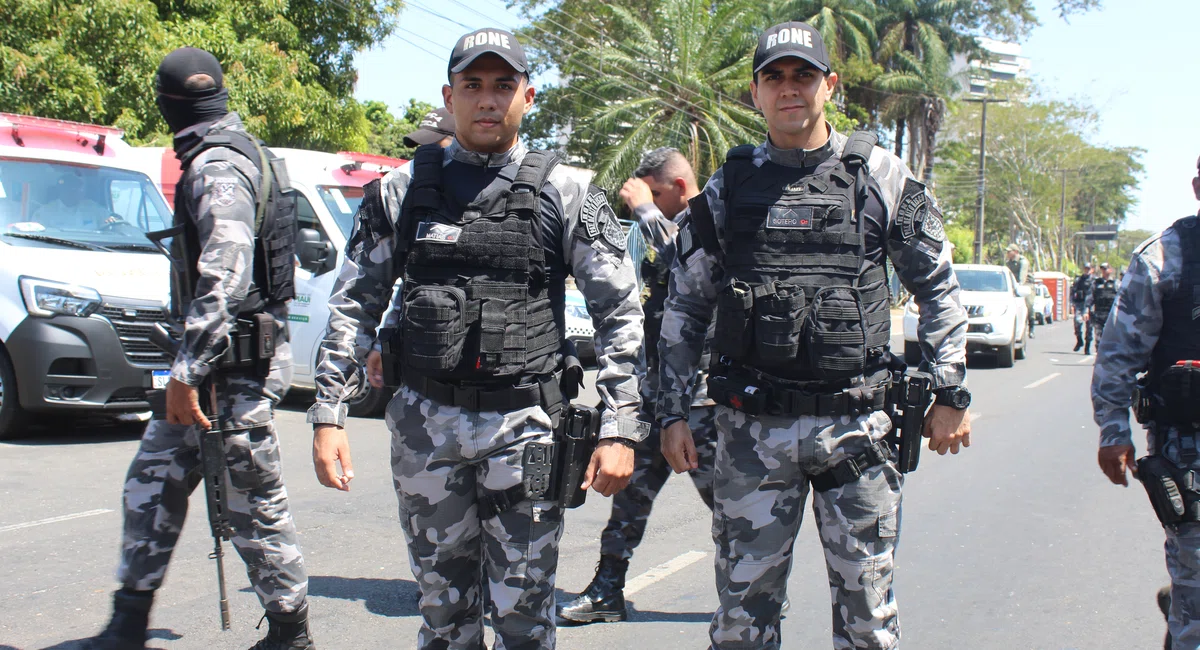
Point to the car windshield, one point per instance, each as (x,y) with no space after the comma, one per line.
(100,208)
(342,202)
(980,280)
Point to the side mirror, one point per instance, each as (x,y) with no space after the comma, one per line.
(314,251)
(1024,290)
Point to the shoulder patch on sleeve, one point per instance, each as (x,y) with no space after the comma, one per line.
(917,215)
(223,192)
(598,221)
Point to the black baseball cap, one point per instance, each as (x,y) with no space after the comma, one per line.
(437,125)
(791,39)
(488,41)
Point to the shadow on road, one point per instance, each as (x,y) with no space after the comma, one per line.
(384,597)
(648,616)
(78,432)
(77,644)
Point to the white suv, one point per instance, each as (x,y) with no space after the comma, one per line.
(997,318)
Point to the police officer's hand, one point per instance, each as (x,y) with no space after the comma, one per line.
(1114,460)
(610,469)
(678,447)
(636,192)
(330,447)
(375,369)
(947,428)
(183,405)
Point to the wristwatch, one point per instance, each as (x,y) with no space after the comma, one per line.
(956,397)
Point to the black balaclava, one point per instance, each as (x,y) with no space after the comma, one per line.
(185,107)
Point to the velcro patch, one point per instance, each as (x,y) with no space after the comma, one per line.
(598,221)
(785,218)
(223,193)
(438,233)
(914,206)
(932,227)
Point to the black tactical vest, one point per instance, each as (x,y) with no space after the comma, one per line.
(801,300)
(275,222)
(476,298)
(1104,294)
(1179,339)
(1079,289)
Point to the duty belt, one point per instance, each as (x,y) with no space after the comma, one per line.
(849,470)
(757,397)
(545,392)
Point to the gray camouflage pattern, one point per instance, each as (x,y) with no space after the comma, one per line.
(924,270)
(223,185)
(166,467)
(1132,331)
(760,488)
(443,458)
(363,291)
(763,463)
(1133,326)
(631,506)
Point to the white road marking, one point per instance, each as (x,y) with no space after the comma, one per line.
(662,571)
(1043,380)
(976,416)
(1086,359)
(54,520)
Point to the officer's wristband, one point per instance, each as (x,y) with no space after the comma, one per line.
(624,441)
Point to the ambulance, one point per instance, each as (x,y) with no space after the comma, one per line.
(328,189)
(80,285)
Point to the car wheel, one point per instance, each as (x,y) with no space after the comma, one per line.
(1019,353)
(368,403)
(912,353)
(13,418)
(1005,356)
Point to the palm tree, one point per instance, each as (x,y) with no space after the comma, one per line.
(917,39)
(674,78)
(845,25)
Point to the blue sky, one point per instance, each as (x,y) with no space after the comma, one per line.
(1140,70)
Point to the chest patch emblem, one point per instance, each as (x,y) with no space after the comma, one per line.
(781,218)
(438,233)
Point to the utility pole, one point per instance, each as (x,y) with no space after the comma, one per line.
(1062,215)
(982,167)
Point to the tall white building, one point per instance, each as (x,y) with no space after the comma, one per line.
(1003,63)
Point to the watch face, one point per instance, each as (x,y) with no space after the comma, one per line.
(961,399)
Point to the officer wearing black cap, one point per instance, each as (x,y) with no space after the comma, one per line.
(436,128)
(1100,302)
(787,244)
(483,234)
(1080,290)
(233,250)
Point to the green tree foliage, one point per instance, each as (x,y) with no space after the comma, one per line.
(1028,144)
(288,65)
(388,131)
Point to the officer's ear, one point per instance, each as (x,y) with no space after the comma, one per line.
(529,93)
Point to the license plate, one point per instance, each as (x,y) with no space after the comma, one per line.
(159,379)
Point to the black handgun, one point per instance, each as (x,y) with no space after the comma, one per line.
(579,434)
(908,418)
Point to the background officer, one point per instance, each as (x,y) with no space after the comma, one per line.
(1153,328)
(1081,289)
(484,234)
(1019,265)
(1100,302)
(437,127)
(787,243)
(217,203)
(662,184)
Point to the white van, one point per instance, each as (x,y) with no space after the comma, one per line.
(328,191)
(80,285)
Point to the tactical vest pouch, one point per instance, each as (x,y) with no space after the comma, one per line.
(735,326)
(835,334)
(434,327)
(251,345)
(1172,490)
(503,319)
(778,318)
(1179,389)
(1143,400)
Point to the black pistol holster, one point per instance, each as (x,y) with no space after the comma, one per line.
(1173,491)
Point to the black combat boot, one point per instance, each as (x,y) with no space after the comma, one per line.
(1078,343)
(128,626)
(1087,348)
(287,631)
(604,598)
(1164,605)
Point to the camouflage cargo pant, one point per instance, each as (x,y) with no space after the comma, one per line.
(1183,558)
(761,485)
(631,506)
(1082,329)
(1097,324)
(443,459)
(166,470)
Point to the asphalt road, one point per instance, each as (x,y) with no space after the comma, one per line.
(1017,543)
